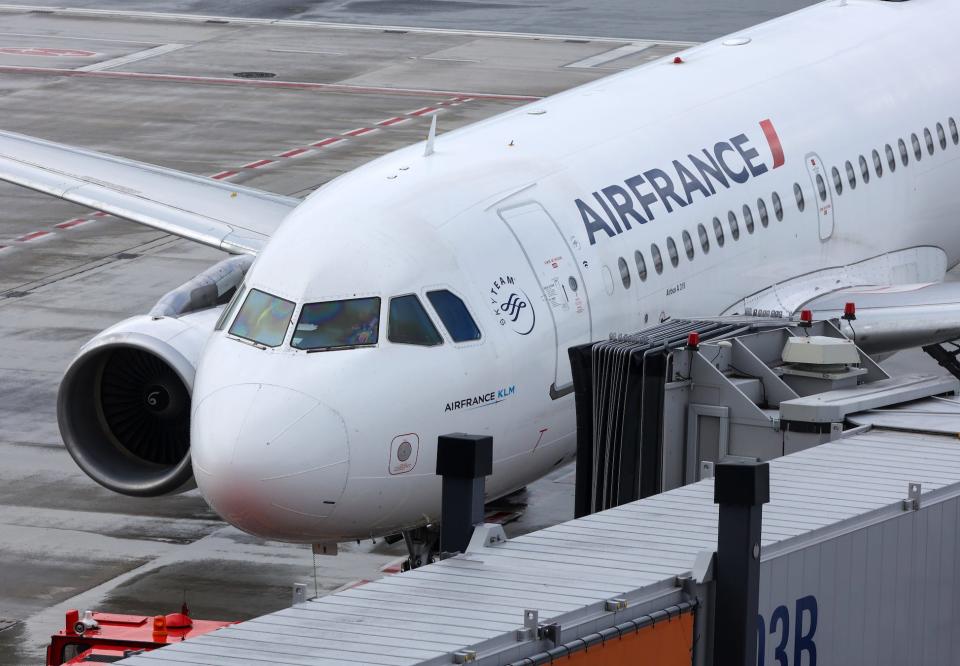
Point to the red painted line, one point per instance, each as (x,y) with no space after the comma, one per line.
(33,235)
(289,85)
(224,174)
(326,142)
(257,164)
(70,224)
(294,152)
(422,111)
(360,131)
(392,121)
(774,141)
(101,214)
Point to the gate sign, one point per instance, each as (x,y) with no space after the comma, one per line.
(52,53)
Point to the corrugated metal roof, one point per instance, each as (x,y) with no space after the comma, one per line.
(569,570)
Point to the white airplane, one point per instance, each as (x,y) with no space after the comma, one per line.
(814,156)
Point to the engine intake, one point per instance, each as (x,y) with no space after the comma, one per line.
(124,406)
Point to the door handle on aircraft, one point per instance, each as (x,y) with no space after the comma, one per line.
(557,393)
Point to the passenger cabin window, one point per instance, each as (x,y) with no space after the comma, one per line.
(672,250)
(704,238)
(455,316)
(798,193)
(762,209)
(928,138)
(891,160)
(748,218)
(657,259)
(641,265)
(877,164)
(942,136)
(734,226)
(851,175)
(263,319)
(837,181)
(917,151)
(688,245)
(718,232)
(821,188)
(624,272)
(777,206)
(864,170)
(409,323)
(954,133)
(333,325)
(904,155)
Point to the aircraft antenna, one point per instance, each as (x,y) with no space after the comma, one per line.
(431,135)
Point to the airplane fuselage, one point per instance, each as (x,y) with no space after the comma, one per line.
(675,189)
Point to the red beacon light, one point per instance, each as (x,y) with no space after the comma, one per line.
(806,318)
(678,60)
(693,341)
(850,311)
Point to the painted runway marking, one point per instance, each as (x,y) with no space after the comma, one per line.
(131,58)
(396,120)
(224,174)
(72,38)
(360,131)
(327,142)
(333,53)
(45,52)
(259,83)
(71,224)
(611,55)
(32,236)
(422,111)
(296,152)
(257,164)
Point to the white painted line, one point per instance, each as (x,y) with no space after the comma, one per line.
(611,55)
(76,39)
(132,57)
(294,23)
(333,53)
(448,59)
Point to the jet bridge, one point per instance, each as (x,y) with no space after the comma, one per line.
(658,409)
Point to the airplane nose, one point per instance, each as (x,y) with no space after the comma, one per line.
(270,460)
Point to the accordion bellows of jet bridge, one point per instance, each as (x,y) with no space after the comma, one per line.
(857,566)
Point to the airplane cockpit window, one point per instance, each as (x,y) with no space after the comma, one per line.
(231,309)
(342,324)
(456,318)
(263,319)
(409,323)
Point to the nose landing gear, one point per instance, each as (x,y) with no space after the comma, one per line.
(423,546)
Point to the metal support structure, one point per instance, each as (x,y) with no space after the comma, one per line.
(463,461)
(741,489)
(945,357)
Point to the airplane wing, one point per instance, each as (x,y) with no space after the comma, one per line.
(228,217)
(895,317)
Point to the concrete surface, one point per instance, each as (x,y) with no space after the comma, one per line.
(64,541)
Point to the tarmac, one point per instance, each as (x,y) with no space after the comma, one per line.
(164,90)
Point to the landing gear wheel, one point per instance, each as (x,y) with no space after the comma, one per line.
(422,545)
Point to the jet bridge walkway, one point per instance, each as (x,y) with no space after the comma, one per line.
(858,545)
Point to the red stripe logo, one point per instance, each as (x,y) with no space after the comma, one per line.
(774,141)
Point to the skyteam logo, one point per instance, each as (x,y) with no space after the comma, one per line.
(512,306)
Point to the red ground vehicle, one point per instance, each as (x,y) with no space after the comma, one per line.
(108,637)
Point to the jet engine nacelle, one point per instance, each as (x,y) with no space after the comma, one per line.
(124,405)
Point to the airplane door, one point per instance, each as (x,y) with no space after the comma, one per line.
(823,194)
(558,273)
